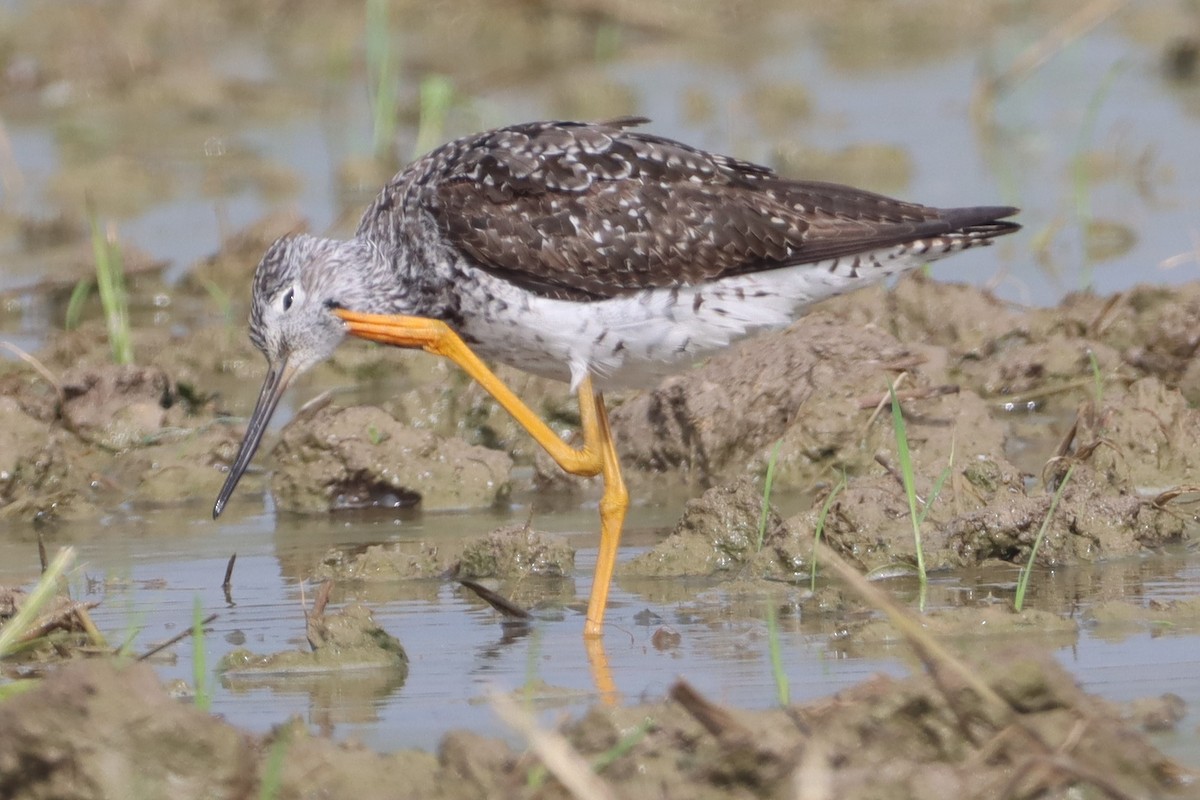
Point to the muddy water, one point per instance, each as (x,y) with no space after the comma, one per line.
(151,568)
(187,130)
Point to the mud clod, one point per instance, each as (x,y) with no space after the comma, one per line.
(34,464)
(515,552)
(361,457)
(1149,437)
(718,533)
(349,639)
(96,730)
(711,422)
(116,407)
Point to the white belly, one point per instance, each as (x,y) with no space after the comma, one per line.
(636,340)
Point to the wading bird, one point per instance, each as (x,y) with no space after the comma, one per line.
(593,253)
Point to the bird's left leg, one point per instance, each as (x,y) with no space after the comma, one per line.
(613,505)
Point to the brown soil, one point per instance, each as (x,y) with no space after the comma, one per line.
(361,457)
(809,391)
(349,639)
(99,729)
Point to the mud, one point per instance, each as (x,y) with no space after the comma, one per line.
(101,729)
(510,552)
(718,533)
(806,391)
(969,629)
(361,457)
(347,640)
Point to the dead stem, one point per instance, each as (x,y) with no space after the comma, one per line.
(228,582)
(502,604)
(1041,394)
(716,720)
(58,618)
(883,403)
(562,760)
(937,660)
(1039,53)
(943,665)
(179,637)
(38,366)
(85,620)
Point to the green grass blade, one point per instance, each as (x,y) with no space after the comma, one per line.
(1027,570)
(782,689)
(768,484)
(273,770)
(937,485)
(382,81)
(437,95)
(19,686)
(1097,379)
(820,531)
(623,746)
(75,305)
(110,281)
(221,297)
(199,659)
(17,626)
(906,472)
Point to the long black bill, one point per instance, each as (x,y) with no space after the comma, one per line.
(278,377)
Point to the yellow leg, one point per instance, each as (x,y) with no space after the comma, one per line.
(598,456)
(613,504)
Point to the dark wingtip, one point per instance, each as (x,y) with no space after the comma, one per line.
(218,507)
(971,216)
(631,121)
(981,221)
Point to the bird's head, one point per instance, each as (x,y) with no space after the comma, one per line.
(299,284)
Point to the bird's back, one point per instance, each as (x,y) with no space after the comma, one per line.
(590,211)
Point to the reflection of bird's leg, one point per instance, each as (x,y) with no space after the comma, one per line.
(597,456)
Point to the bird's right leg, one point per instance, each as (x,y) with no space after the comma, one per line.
(597,456)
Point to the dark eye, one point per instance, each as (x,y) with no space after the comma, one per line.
(287,299)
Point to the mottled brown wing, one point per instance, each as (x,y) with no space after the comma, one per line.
(592,211)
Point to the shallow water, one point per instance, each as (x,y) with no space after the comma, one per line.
(151,568)
(1105,95)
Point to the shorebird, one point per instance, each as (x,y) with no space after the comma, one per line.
(593,253)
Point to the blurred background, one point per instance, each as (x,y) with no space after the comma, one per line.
(185,123)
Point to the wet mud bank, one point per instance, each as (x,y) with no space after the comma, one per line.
(998,405)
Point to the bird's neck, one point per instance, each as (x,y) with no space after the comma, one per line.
(369,278)
(394,277)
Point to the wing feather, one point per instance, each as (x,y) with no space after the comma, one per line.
(596,210)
